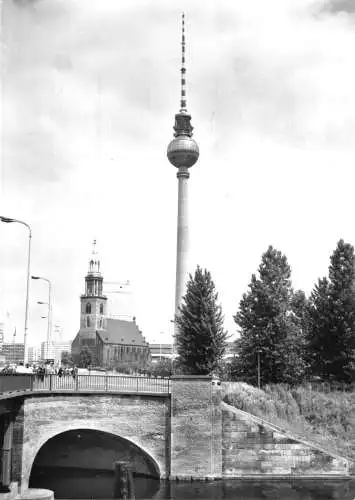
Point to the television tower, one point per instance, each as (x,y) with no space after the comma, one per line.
(183,153)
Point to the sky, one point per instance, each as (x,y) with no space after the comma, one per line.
(89,94)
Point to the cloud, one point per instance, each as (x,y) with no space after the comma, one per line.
(283,72)
(340,6)
(90,91)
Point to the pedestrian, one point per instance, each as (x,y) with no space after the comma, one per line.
(40,373)
(60,372)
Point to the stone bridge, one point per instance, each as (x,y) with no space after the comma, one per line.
(183,431)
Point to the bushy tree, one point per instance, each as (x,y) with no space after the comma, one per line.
(85,357)
(201,338)
(332,319)
(162,368)
(66,358)
(270,318)
(318,347)
(299,307)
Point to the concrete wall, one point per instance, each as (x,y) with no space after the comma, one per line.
(195,428)
(143,420)
(252,447)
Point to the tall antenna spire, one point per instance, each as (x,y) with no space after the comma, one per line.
(183,153)
(183,69)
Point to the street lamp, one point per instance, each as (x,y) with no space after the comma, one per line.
(9,220)
(259,378)
(49,308)
(173,348)
(161,333)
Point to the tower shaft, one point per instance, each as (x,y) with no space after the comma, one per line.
(182,246)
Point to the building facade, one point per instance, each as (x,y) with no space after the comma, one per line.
(113,343)
(160,351)
(165,351)
(122,345)
(34,354)
(13,352)
(54,350)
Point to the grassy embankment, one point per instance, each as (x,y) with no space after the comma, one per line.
(326,419)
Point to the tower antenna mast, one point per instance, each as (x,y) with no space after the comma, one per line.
(183,105)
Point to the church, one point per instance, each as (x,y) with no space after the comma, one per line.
(113,343)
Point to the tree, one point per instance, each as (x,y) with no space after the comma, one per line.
(85,357)
(270,318)
(299,307)
(318,329)
(66,358)
(162,368)
(332,311)
(201,338)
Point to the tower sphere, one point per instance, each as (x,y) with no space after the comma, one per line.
(183,151)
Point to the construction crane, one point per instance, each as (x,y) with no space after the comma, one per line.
(121,285)
(58,332)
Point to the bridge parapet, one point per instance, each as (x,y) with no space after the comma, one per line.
(96,383)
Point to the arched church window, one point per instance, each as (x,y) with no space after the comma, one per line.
(101,308)
(88,321)
(88,308)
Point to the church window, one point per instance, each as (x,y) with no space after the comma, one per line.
(101,308)
(100,322)
(87,321)
(88,308)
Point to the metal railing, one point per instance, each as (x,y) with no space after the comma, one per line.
(11,383)
(94,383)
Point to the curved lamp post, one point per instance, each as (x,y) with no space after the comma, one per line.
(10,220)
(49,307)
(259,351)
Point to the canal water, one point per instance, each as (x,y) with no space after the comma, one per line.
(83,484)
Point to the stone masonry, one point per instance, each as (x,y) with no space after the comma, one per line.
(253,447)
(141,419)
(196,428)
(189,434)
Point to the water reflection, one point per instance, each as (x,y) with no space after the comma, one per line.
(84,484)
(259,490)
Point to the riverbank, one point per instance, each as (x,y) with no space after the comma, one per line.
(325,419)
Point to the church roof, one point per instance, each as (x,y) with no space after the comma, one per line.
(121,332)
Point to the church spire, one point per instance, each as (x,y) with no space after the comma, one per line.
(94,262)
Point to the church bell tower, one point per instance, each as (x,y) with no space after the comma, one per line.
(93,309)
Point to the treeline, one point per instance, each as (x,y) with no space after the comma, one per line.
(285,337)
(294,336)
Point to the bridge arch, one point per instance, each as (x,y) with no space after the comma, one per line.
(142,422)
(89,452)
